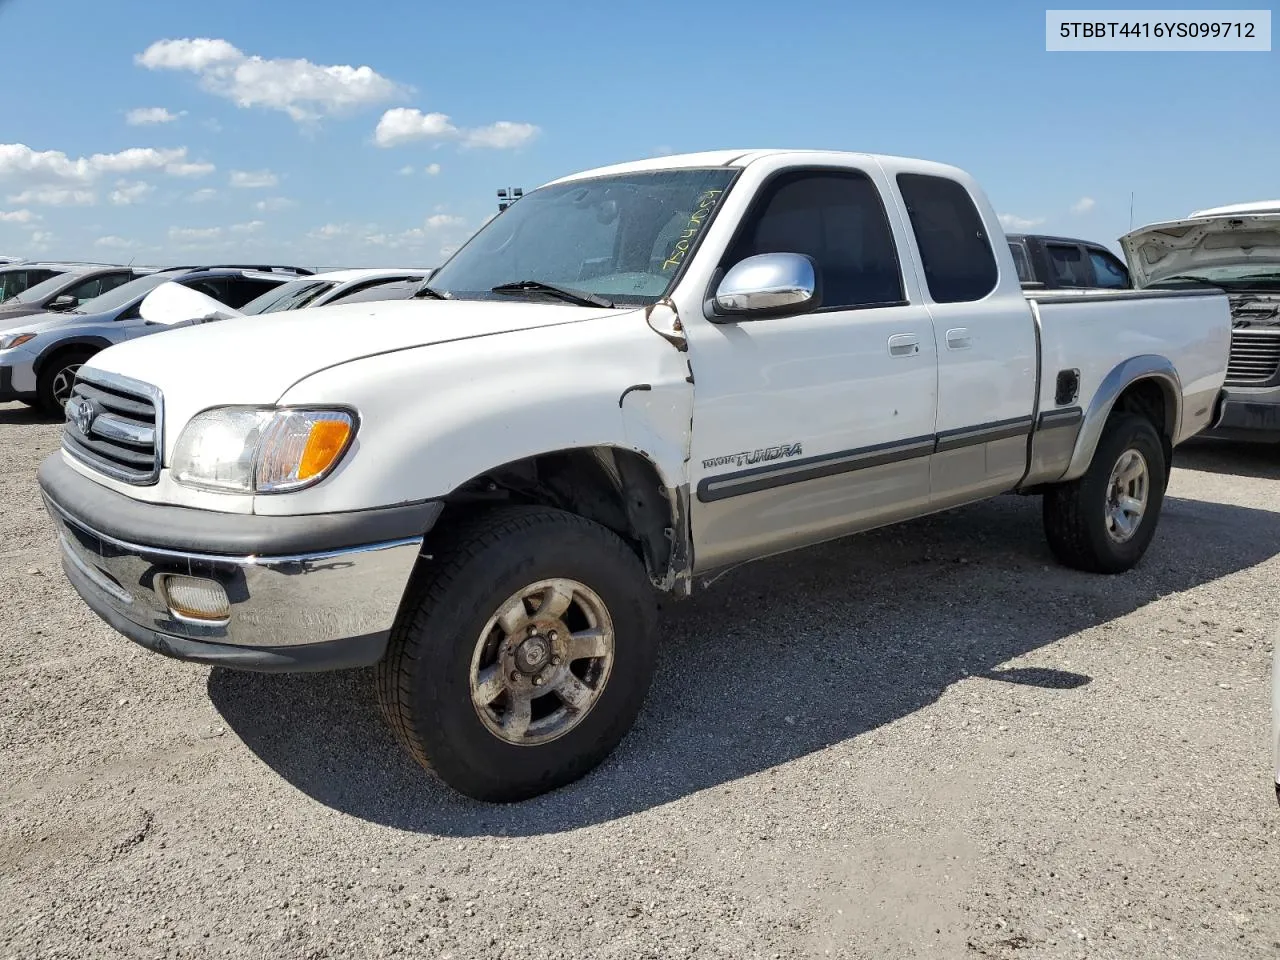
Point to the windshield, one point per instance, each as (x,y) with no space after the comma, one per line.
(124,294)
(287,296)
(44,288)
(622,238)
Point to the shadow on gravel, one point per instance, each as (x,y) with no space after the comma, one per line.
(1258,460)
(780,659)
(20,413)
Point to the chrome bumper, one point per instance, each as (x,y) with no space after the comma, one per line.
(304,612)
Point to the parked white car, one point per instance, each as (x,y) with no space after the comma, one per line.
(630,378)
(172,304)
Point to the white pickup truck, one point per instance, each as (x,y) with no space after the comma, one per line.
(629,379)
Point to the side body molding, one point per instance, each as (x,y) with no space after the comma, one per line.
(1146,366)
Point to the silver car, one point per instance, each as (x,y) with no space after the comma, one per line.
(40,354)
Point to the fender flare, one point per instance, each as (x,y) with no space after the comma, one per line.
(1121,377)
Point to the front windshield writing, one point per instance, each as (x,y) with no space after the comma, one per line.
(621,237)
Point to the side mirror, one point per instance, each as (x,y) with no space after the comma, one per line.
(172,304)
(768,285)
(64,302)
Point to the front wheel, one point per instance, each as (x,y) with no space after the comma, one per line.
(522,653)
(1104,521)
(53,386)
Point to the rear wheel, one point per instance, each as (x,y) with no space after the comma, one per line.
(53,386)
(1104,521)
(522,653)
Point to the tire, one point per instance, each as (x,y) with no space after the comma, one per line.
(445,635)
(1080,517)
(55,379)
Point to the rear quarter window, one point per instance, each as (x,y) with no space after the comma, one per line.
(955,250)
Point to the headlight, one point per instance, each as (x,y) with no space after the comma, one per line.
(261,450)
(15,340)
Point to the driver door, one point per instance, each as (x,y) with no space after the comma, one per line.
(812,426)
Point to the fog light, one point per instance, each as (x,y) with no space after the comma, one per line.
(194,598)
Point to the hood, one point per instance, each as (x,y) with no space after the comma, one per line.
(15,311)
(255,359)
(1164,250)
(41,322)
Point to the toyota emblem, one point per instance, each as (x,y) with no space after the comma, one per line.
(81,412)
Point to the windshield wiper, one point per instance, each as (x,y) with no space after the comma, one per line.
(564,293)
(1189,277)
(425,292)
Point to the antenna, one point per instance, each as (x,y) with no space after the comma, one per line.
(1130,211)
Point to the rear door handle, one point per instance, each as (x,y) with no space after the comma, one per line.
(958,338)
(904,345)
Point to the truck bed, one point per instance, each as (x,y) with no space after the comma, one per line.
(1093,332)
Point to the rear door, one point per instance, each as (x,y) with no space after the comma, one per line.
(986,340)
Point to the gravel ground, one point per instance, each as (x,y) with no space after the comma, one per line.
(925,742)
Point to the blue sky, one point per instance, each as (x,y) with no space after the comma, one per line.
(251,153)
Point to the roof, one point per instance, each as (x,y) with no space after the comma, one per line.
(1236,209)
(726,158)
(1051,238)
(371,273)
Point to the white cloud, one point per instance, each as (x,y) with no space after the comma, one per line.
(408,171)
(149,116)
(275,203)
(1083,205)
(404,125)
(135,159)
(194,234)
(431,169)
(330,231)
(503,135)
(127,193)
(304,90)
(1011,221)
(253,226)
(438,220)
(54,168)
(253,179)
(55,197)
(18,216)
(115,243)
(202,196)
(189,169)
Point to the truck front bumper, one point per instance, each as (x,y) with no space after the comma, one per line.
(1249,414)
(302,593)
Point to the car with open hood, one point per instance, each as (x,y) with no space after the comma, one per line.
(1234,248)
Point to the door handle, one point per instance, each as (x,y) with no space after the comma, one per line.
(904,345)
(958,338)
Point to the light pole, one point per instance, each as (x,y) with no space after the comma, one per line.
(509,195)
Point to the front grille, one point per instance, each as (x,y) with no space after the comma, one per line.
(1255,357)
(114,424)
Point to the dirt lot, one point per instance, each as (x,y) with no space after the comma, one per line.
(925,742)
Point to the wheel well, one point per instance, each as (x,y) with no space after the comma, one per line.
(1153,399)
(618,489)
(77,346)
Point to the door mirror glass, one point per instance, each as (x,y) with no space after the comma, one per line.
(768,284)
(64,302)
